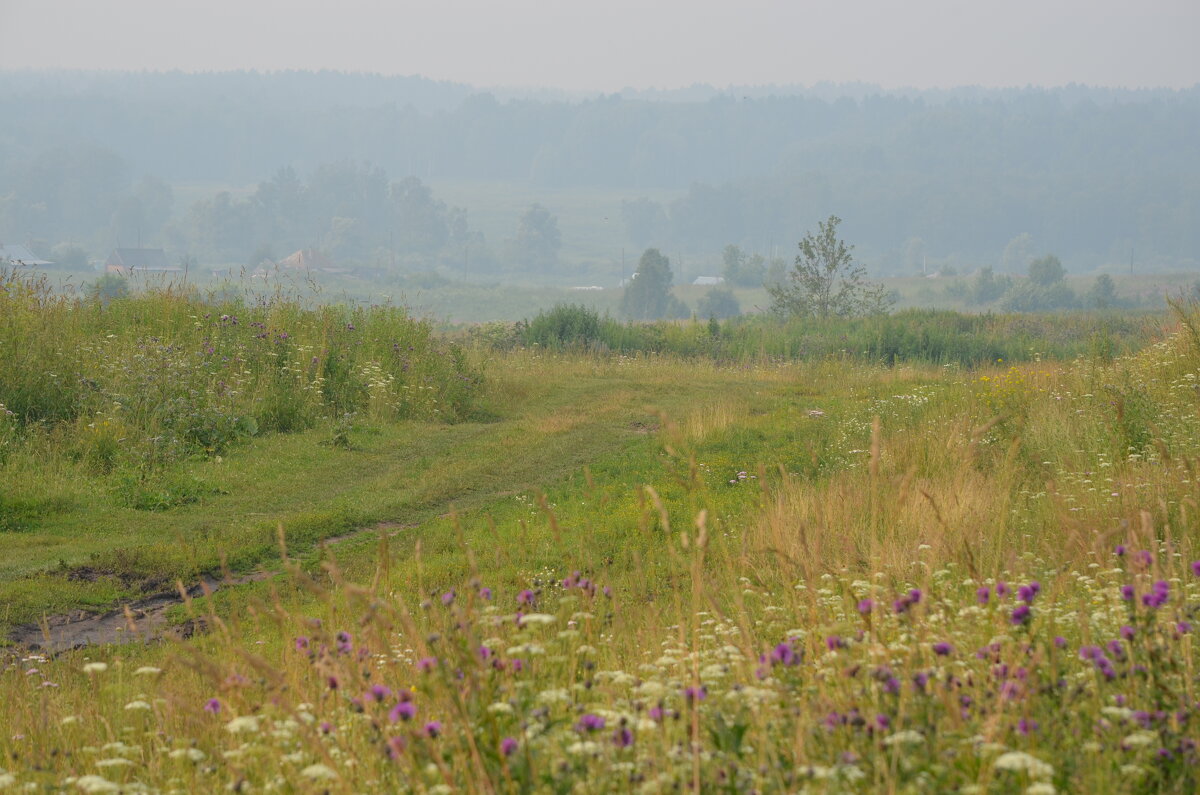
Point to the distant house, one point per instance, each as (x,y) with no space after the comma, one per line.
(126,261)
(308,259)
(21,254)
(709,281)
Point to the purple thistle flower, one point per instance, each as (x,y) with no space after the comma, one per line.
(1127,593)
(1120,550)
(784,654)
(301,643)
(882,722)
(1001,589)
(508,746)
(326,727)
(405,710)
(332,682)
(865,606)
(833,643)
(914,596)
(921,680)
(1145,558)
(622,737)
(942,649)
(485,594)
(517,664)
(426,664)
(212,705)
(693,694)
(656,714)
(589,723)
(1196,567)
(1020,615)
(1183,627)
(1127,632)
(982,594)
(433,728)
(378,693)
(1026,593)
(1060,642)
(448,597)
(525,597)
(1026,726)
(891,685)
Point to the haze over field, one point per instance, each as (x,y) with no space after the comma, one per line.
(500,157)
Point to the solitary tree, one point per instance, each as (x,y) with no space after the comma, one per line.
(826,282)
(1046,271)
(648,296)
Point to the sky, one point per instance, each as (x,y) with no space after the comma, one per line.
(607,45)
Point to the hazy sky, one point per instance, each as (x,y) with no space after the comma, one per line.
(611,44)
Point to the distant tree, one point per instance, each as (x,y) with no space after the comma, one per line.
(645,221)
(1103,293)
(987,286)
(1046,271)
(741,269)
(538,240)
(777,270)
(1031,297)
(648,294)
(826,282)
(719,303)
(1017,253)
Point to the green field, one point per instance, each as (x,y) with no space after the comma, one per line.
(763,562)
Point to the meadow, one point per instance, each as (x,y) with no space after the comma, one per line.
(778,564)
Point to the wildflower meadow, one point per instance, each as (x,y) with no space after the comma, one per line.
(590,571)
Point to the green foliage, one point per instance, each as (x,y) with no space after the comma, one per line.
(109,287)
(1103,293)
(987,286)
(141,381)
(1030,296)
(741,269)
(1046,271)
(719,303)
(538,240)
(648,294)
(564,326)
(825,281)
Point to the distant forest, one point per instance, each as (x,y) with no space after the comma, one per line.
(1094,176)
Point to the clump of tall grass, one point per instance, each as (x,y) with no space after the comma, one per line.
(157,376)
(910,336)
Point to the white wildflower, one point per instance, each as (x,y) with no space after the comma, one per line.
(1140,739)
(1020,761)
(147,670)
(191,754)
(907,737)
(116,761)
(247,724)
(319,773)
(137,705)
(1040,788)
(96,784)
(95,668)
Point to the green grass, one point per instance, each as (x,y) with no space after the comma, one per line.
(727,522)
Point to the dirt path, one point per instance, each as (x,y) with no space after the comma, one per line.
(145,619)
